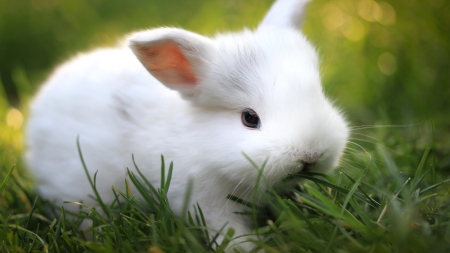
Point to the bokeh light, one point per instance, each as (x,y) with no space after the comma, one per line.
(14,118)
(387,63)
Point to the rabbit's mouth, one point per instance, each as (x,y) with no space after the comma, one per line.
(308,167)
(305,167)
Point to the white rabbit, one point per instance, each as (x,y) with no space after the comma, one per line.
(199,101)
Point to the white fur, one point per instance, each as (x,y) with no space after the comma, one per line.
(285,13)
(117,108)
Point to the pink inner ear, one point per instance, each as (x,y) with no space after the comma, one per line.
(168,64)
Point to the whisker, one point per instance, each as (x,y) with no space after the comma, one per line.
(362,148)
(382,126)
(249,189)
(365,135)
(348,163)
(354,150)
(375,141)
(244,178)
(345,164)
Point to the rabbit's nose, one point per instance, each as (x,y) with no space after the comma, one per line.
(309,161)
(311,157)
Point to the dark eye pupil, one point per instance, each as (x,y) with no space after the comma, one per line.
(250,119)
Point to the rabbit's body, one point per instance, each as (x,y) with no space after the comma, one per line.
(189,110)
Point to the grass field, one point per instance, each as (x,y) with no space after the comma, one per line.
(386,65)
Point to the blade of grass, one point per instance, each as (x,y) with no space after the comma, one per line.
(433,162)
(303,217)
(369,200)
(33,208)
(92,183)
(374,202)
(329,207)
(143,191)
(56,235)
(187,198)
(44,245)
(169,179)
(163,173)
(394,197)
(434,186)
(309,173)
(355,186)
(364,217)
(415,179)
(203,224)
(226,241)
(415,186)
(6,179)
(255,193)
(239,200)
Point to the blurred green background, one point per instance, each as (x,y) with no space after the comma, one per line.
(381,60)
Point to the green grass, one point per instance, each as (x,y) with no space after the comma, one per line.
(381,199)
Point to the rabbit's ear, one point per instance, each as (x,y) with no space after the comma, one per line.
(285,13)
(176,57)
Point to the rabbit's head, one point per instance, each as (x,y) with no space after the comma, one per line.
(257,92)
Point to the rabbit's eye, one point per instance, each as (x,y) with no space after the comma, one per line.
(250,119)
